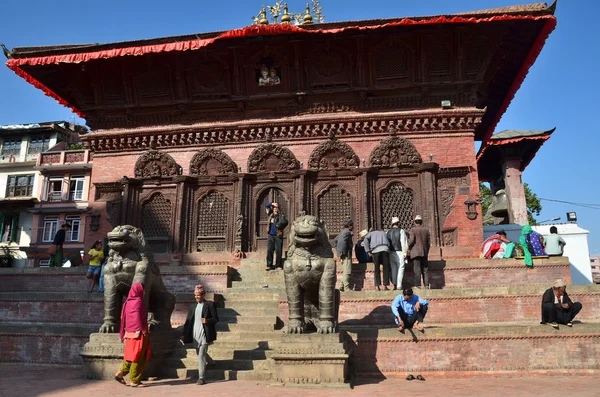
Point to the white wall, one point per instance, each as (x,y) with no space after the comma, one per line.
(576,249)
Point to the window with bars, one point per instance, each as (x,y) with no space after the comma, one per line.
(39,144)
(19,185)
(11,147)
(74,232)
(50,228)
(9,227)
(76,184)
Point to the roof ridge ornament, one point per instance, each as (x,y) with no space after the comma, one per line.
(308,19)
(552,7)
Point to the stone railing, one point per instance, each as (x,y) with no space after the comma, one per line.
(65,157)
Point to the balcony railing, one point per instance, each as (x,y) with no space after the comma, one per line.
(10,158)
(65,157)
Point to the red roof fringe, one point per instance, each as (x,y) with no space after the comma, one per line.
(260,30)
(501,142)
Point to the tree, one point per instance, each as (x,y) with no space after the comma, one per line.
(534,205)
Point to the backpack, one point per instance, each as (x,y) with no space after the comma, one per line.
(282,222)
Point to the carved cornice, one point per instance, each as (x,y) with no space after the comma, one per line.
(342,125)
(198,165)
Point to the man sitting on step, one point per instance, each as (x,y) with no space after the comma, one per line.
(557,307)
(409,310)
(200,329)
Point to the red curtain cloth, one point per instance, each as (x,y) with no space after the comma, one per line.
(261,30)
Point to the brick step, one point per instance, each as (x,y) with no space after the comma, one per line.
(260,295)
(252,311)
(176,278)
(245,319)
(245,345)
(247,327)
(242,306)
(43,328)
(473,347)
(258,336)
(246,288)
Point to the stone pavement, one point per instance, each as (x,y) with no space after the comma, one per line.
(17,380)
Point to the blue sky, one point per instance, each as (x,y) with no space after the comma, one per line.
(560,91)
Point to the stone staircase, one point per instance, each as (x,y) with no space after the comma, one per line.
(247,332)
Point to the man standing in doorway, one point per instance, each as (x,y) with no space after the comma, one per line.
(418,244)
(398,251)
(56,259)
(343,245)
(276,223)
(200,329)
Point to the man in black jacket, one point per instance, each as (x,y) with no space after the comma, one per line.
(557,307)
(277,222)
(200,328)
(56,259)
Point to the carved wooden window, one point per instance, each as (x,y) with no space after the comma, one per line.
(213,211)
(391,62)
(476,51)
(156,222)
(335,207)
(397,201)
(153,82)
(272,195)
(438,60)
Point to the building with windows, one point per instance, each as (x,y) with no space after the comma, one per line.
(595,265)
(21,183)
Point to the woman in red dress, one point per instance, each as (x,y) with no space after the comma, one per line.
(134,331)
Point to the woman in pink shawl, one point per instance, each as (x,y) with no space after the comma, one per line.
(134,331)
(494,246)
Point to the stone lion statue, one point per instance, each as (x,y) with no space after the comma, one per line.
(310,277)
(129,263)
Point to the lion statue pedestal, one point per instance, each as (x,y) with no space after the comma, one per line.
(129,263)
(319,358)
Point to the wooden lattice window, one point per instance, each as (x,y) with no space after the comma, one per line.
(438,60)
(397,201)
(335,207)
(156,222)
(153,82)
(212,215)
(391,62)
(476,51)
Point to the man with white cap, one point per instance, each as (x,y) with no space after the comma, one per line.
(398,251)
(418,244)
(557,307)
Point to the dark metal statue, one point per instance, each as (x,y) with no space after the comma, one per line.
(310,277)
(128,263)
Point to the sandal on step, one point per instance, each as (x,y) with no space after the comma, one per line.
(420,377)
(120,380)
(410,377)
(138,385)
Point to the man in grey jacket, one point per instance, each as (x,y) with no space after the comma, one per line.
(377,246)
(419,243)
(343,246)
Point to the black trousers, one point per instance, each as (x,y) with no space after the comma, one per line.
(551,313)
(382,258)
(274,245)
(421,266)
(409,320)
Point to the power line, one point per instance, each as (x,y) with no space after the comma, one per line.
(585,205)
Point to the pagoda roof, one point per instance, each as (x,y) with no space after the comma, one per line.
(25,61)
(522,144)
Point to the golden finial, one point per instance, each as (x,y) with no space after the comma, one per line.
(308,20)
(285,19)
(263,17)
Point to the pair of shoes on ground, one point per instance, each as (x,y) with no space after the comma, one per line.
(201,382)
(270,268)
(418,377)
(119,378)
(555,325)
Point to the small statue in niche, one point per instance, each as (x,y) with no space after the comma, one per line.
(268,76)
(273,78)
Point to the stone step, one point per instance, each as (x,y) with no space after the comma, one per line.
(227,352)
(261,295)
(252,311)
(248,327)
(473,347)
(44,328)
(258,336)
(245,288)
(220,375)
(245,319)
(245,345)
(243,306)
(191,362)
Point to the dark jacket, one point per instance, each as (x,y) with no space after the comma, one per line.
(59,237)
(395,237)
(276,224)
(209,312)
(549,298)
(360,252)
(343,243)
(419,242)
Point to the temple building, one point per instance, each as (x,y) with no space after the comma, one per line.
(362,120)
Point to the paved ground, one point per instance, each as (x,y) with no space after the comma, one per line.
(19,381)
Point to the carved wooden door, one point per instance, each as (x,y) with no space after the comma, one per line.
(397,201)
(214,217)
(157,212)
(272,195)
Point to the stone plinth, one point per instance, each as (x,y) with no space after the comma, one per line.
(103,354)
(311,360)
